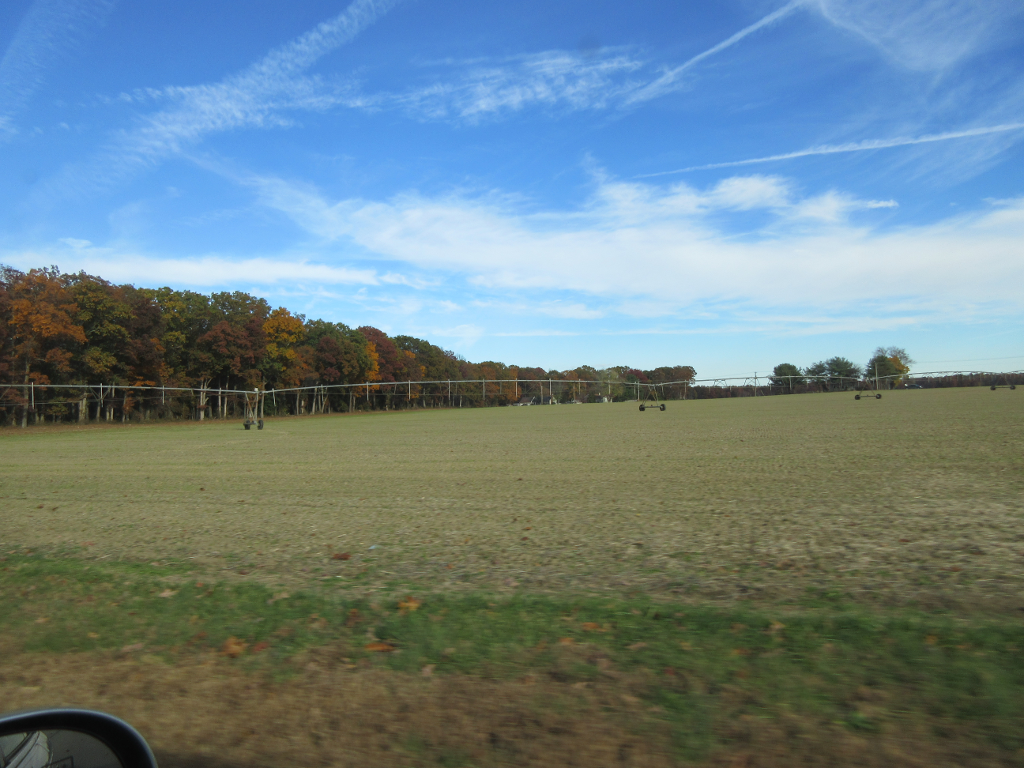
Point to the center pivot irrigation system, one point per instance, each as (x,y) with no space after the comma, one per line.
(651,401)
(254,409)
(105,402)
(1002,383)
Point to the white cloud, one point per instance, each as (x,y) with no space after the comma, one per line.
(466,334)
(636,240)
(75,242)
(258,96)
(834,207)
(923,35)
(538,333)
(744,193)
(550,78)
(575,311)
(559,309)
(125,266)
(559,78)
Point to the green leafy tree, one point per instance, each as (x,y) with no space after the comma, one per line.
(817,369)
(787,376)
(841,372)
(106,319)
(186,316)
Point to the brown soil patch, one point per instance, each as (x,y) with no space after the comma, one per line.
(208,712)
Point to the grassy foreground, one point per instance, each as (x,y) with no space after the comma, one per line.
(694,668)
(804,580)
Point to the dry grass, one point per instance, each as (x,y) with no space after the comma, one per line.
(915,498)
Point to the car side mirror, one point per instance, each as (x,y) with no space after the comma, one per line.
(71,738)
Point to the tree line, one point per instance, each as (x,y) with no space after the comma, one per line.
(888,364)
(79,329)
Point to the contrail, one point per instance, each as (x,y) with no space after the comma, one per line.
(857,146)
(248,98)
(653,89)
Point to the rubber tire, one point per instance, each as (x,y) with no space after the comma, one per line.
(247,425)
(993,387)
(663,406)
(642,408)
(259,424)
(878,397)
(1013,386)
(856,397)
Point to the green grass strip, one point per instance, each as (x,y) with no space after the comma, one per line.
(816,661)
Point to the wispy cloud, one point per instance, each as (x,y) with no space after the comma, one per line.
(550,78)
(539,333)
(922,35)
(834,207)
(123,265)
(49,30)
(560,309)
(669,79)
(854,146)
(612,79)
(467,334)
(257,96)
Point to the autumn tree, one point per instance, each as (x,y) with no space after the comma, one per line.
(288,362)
(82,329)
(341,355)
(42,326)
(41,335)
(6,335)
(391,365)
(234,353)
(145,353)
(889,363)
(437,364)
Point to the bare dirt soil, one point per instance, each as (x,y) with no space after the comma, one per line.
(916,498)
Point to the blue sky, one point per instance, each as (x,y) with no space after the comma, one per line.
(728,185)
